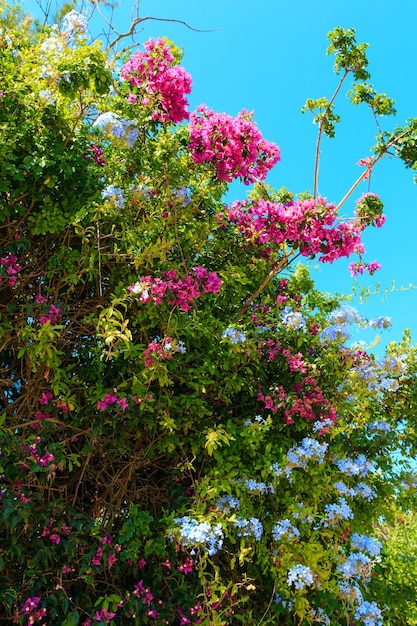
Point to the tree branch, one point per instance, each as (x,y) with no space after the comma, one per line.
(320,133)
(139,20)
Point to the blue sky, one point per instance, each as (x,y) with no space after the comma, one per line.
(269,57)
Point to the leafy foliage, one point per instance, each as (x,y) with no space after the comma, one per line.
(186,436)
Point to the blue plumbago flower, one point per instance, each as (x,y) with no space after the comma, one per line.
(351,593)
(182,193)
(369,613)
(180,347)
(52,44)
(338,332)
(380,322)
(308,450)
(320,616)
(363,542)
(285,530)
(114,193)
(120,128)
(193,532)
(227,503)
(291,319)
(249,527)
(410,484)
(46,95)
(258,419)
(343,489)
(337,513)
(301,515)
(358,566)
(345,314)
(355,467)
(278,471)
(253,485)
(364,491)
(74,23)
(145,190)
(300,576)
(323,426)
(287,604)
(234,336)
(394,364)
(380,425)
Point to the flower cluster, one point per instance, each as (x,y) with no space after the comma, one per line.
(320,616)
(183,194)
(228,503)
(96,153)
(358,566)
(9,262)
(308,225)
(120,128)
(359,267)
(369,613)
(355,467)
(111,399)
(300,576)
(33,452)
(74,23)
(292,319)
(360,491)
(192,533)
(54,314)
(285,530)
(308,450)
(336,513)
(369,209)
(249,527)
(306,402)
(31,610)
(158,82)
(258,487)
(54,532)
(181,291)
(380,322)
(380,425)
(162,351)
(115,194)
(369,544)
(381,375)
(234,335)
(233,145)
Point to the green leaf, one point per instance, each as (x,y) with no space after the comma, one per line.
(72,619)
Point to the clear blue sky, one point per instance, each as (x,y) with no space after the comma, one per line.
(269,57)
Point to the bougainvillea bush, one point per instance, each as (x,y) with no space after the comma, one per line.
(187,434)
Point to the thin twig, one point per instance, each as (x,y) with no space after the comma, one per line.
(276,268)
(362,176)
(269,604)
(139,20)
(320,133)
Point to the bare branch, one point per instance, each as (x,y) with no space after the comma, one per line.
(320,133)
(139,20)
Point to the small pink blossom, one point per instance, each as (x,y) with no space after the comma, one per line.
(45,397)
(111,560)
